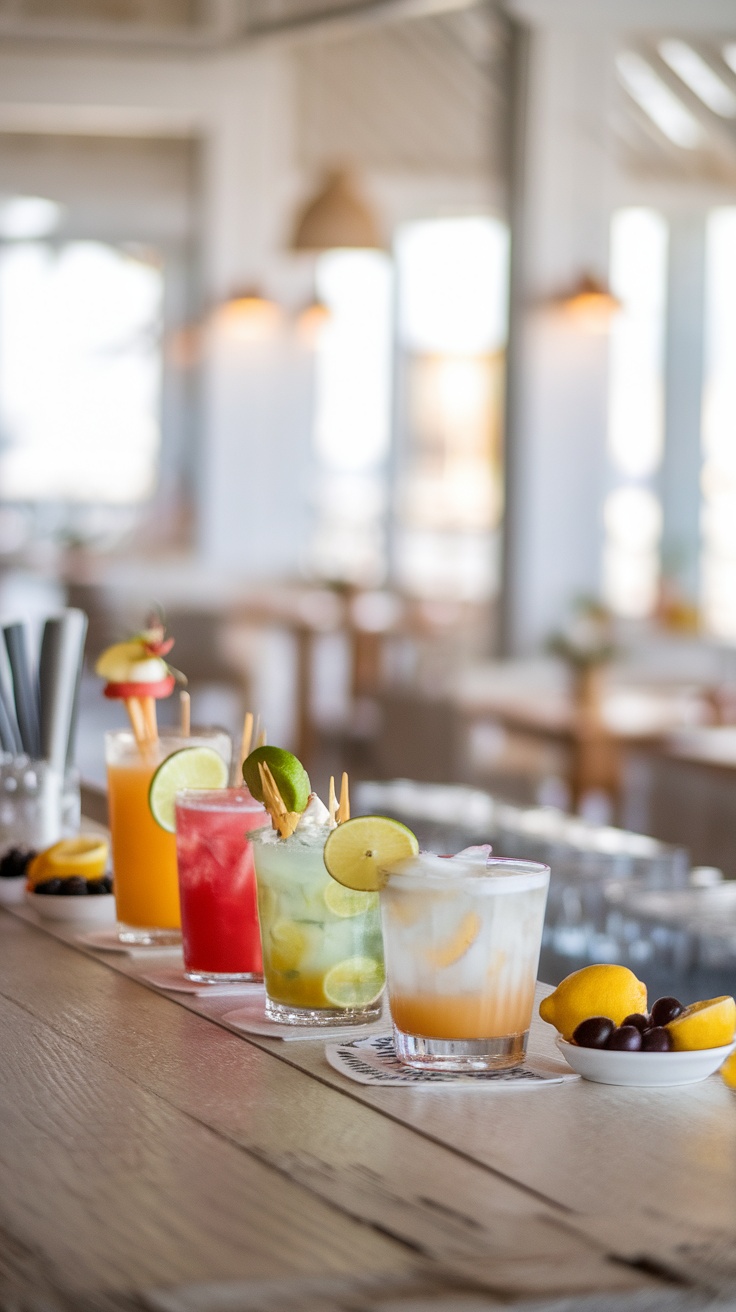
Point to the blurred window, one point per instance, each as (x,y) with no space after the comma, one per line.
(453,294)
(718,565)
(632,511)
(80,367)
(353,415)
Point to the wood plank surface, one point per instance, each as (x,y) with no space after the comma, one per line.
(349,1156)
(109,1187)
(531,1192)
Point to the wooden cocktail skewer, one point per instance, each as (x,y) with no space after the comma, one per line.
(185,705)
(246,738)
(332,803)
(148,706)
(283,820)
(138,725)
(261,739)
(343,810)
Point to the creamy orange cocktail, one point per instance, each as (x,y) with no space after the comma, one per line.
(143,854)
(461,940)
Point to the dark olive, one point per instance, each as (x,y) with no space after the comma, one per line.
(625,1039)
(96,886)
(106,882)
(74,886)
(48,887)
(14,862)
(665,1010)
(656,1040)
(593,1032)
(640,1023)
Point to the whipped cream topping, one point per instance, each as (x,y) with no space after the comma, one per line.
(315,815)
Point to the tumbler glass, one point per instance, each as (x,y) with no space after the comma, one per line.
(462,939)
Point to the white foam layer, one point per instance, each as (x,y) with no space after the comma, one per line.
(486,873)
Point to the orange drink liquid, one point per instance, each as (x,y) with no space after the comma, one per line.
(461,940)
(143,854)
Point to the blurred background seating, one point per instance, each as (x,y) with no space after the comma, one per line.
(389,350)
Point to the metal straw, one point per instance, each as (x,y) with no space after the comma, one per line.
(62,649)
(25,692)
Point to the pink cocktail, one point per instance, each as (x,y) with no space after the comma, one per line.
(217,886)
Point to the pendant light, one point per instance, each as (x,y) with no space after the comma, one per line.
(249,316)
(337,217)
(591,303)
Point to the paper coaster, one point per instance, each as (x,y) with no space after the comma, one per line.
(106,940)
(252,1019)
(173,978)
(373,1060)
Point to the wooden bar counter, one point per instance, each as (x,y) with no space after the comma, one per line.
(151,1157)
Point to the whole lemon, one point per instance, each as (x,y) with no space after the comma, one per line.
(607,990)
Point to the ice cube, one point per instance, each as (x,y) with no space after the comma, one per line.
(479,853)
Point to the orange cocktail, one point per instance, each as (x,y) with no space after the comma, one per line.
(461,939)
(143,854)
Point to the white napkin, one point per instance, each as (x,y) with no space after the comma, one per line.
(373,1060)
(252,1019)
(172,977)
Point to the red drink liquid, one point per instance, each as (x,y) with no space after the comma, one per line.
(217,886)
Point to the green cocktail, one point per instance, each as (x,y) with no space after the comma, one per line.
(322,945)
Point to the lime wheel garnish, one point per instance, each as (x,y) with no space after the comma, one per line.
(360,853)
(190,767)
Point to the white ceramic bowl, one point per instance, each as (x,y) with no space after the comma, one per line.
(12,891)
(643,1069)
(97,909)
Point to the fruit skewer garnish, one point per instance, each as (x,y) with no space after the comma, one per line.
(277,779)
(283,820)
(138,675)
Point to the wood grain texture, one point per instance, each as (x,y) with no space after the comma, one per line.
(104,1186)
(379,1172)
(525,1190)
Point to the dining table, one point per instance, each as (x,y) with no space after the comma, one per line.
(154,1157)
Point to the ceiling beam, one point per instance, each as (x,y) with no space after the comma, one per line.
(225,27)
(348,18)
(664,16)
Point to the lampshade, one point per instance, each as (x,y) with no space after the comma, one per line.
(336,217)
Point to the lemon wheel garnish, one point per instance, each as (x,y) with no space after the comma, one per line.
(346,902)
(360,852)
(709,1024)
(84,855)
(356,982)
(190,767)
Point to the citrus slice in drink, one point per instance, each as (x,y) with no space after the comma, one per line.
(356,982)
(346,902)
(360,852)
(84,855)
(289,775)
(288,945)
(190,767)
(455,947)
